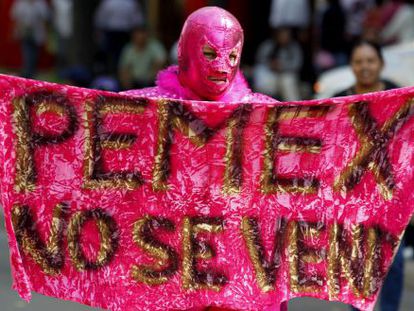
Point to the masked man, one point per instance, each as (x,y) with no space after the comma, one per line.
(209,52)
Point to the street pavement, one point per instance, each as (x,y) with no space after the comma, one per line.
(10,301)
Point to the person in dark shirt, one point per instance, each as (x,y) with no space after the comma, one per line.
(367,63)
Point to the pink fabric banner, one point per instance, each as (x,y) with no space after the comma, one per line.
(130,203)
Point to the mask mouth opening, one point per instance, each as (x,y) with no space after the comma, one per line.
(218,79)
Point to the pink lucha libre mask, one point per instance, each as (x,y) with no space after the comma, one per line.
(209,52)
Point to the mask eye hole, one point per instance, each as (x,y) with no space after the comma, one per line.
(209,53)
(233,58)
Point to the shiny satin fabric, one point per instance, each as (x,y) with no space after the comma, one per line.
(130,202)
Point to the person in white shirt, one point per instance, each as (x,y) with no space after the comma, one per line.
(278,62)
(30,18)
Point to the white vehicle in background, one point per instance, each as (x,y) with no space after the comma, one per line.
(399,68)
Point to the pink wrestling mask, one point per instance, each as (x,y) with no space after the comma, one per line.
(209,52)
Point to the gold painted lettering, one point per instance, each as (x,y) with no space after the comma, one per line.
(49,256)
(174,115)
(270,182)
(373,153)
(96,139)
(265,269)
(193,278)
(109,238)
(166,258)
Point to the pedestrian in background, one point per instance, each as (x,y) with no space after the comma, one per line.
(140,60)
(278,62)
(30,18)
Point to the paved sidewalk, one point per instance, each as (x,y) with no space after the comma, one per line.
(10,301)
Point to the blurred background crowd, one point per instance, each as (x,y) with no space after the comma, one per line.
(121,44)
(290,45)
